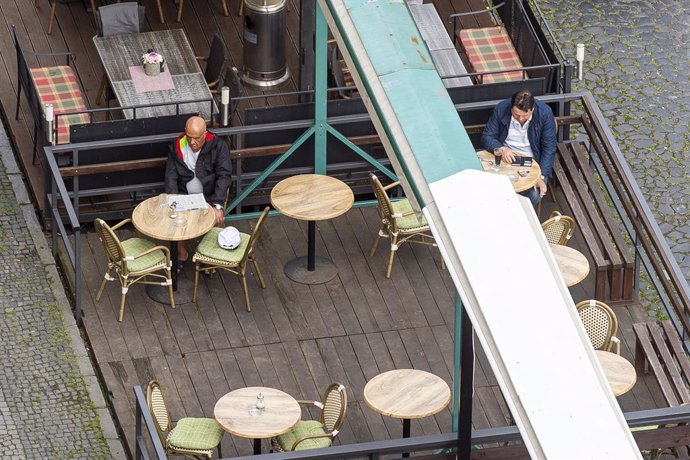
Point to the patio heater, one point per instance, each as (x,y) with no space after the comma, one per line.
(265,64)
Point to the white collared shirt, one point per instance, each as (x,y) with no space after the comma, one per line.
(517,139)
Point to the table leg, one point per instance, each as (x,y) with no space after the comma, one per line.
(186,286)
(311,269)
(257,446)
(175,264)
(311,245)
(406,433)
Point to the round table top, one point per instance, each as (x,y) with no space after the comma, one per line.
(151,217)
(573,265)
(312,197)
(619,372)
(520,184)
(281,413)
(407,393)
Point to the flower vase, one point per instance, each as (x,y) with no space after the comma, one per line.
(152,69)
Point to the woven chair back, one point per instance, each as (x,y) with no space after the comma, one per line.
(217,59)
(558,228)
(334,407)
(254,237)
(159,409)
(111,244)
(385,205)
(600,322)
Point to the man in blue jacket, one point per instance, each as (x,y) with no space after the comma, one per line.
(524,126)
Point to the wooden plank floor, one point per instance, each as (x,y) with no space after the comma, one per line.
(299,338)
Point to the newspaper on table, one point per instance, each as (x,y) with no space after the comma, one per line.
(187,202)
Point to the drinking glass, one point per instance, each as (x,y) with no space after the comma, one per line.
(497,159)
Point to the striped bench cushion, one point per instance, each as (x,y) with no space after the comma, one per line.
(489,49)
(58,86)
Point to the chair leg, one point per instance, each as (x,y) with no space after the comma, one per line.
(93,11)
(196,282)
(258,274)
(376,241)
(394,248)
(240,12)
(100,291)
(122,303)
(179,10)
(225,8)
(246,292)
(53,9)
(160,11)
(170,290)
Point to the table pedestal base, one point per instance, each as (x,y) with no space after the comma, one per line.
(296,270)
(185,289)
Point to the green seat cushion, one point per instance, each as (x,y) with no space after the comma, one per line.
(134,246)
(407,222)
(195,434)
(210,249)
(304,428)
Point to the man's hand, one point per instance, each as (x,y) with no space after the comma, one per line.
(507,155)
(541,186)
(219,217)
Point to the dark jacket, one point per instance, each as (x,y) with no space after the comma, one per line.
(541,133)
(213,168)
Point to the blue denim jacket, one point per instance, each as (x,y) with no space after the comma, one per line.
(541,133)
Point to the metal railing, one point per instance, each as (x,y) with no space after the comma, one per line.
(438,446)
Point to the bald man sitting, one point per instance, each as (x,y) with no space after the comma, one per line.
(199,162)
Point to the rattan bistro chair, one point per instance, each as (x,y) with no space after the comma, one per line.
(398,222)
(210,256)
(558,228)
(191,437)
(315,434)
(134,260)
(600,323)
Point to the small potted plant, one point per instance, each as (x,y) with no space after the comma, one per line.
(153,63)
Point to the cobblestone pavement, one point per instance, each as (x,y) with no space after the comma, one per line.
(637,65)
(51,405)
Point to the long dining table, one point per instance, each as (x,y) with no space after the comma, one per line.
(181,79)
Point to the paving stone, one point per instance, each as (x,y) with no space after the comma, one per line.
(45,408)
(637,63)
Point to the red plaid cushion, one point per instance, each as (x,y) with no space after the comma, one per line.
(58,86)
(489,49)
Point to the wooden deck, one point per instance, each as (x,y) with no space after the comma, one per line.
(300,338)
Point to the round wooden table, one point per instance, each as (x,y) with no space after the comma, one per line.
(236,413)
(619,372)
(311,197)
(520,184)
(407,394)
(152,218)
(573,265)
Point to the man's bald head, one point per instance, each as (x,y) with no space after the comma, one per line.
(195,130)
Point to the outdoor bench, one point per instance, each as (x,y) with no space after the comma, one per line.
(57,85)
(614,265)
(658,347)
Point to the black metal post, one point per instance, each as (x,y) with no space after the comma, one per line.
(257,446)
(311,246)
(307,28)
(466,388)
(406,433)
